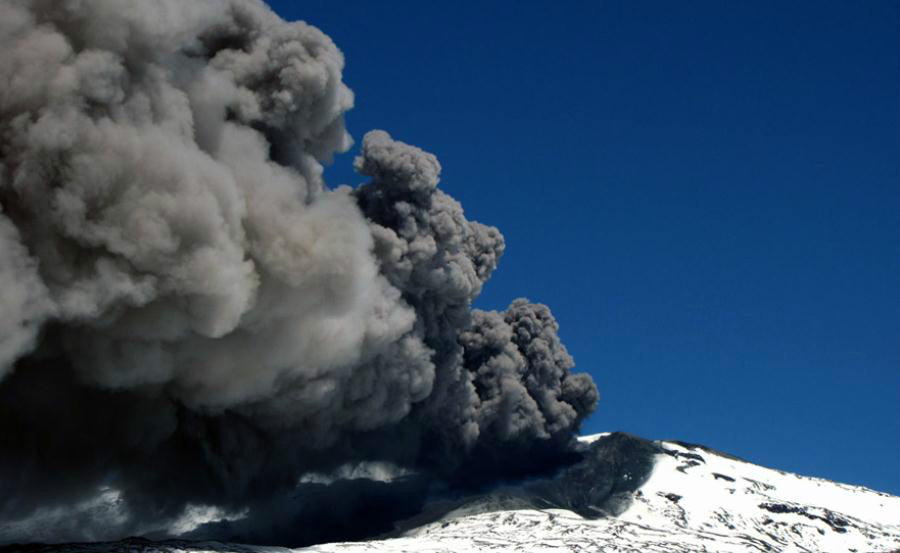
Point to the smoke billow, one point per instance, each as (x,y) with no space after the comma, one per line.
(192,319)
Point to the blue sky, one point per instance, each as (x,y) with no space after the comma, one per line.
(707,194)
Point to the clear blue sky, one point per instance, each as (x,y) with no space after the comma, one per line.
(707,194)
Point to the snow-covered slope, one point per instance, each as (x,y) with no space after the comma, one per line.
(693,499)
(633,495)
(703,497)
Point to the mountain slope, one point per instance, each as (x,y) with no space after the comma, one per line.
(690,498)
(627,495)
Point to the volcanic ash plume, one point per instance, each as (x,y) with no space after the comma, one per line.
(190,317)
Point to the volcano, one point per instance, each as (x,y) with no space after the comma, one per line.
(627,494)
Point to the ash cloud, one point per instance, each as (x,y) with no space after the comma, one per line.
(191,317)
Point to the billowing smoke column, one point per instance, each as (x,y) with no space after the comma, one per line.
(189,318)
